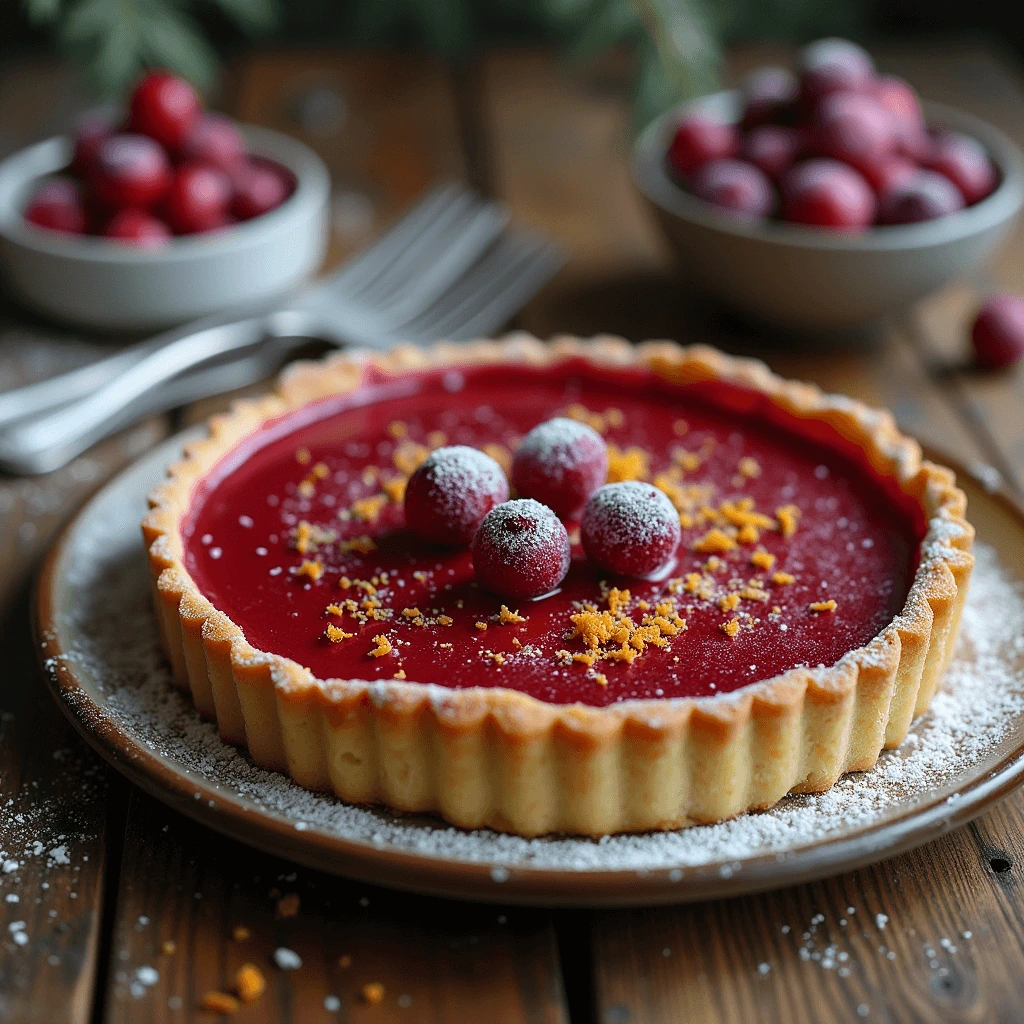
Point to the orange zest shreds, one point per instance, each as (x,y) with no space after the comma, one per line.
(582,414)
(335,634)
(370,475)
(783,579)
(306,489)
(412,613)
(395,488)
(307,537)
(730,628)
(287,905)
(729,603)
(321,471)
(748,467)
(517,643)
(400,674)
(372,993)
(382,646)
(693,581)
(748,534)
(220,1002)
(168,947)
(680,427)
(685,520)
(788,516)
(713,564)
(335,609)
(776,610)
(687,498)
(497,657)
(362,545)
(506,617)
(600,678)
(752,593)
(742,513)
(585,658)
(615,417)
(313,569)
(686,460)
(501,455)
(409,456)
(762,559)
(714,541)
(302,456)
(444,620)
(823,606)
(480,625)
(397,429)
(618,600)
(613,635)
(240,933)
(366,510)
(249,983)
(627,464)
(436,439)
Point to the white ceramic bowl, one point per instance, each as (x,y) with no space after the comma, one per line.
(804,277)
(99,283)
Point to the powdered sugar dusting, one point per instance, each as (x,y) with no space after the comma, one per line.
(559,444)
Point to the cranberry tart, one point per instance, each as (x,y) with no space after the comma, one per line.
(784,621)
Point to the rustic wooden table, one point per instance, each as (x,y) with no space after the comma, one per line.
(116,909)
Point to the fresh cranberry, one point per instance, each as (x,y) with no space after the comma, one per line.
(832,65)
(448,496)
(198,199)
(768,96)
(924,196)
(885,173)
(260,186)
(131,171)
(965,162)
(165,108)
(560,463)
(998,331)
(853,127)
(630,528)
(214,140)
(899,99)
(773,148)
(827,194)
(139,228)
(736,186)
(521,550)
(698,139)
(92,130)
(57,205)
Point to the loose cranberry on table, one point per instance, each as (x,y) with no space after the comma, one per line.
(768,96)
(998,331)
(521,550)
(91,131)
(698,139)
(923,196)
(130,171)
(773,148)
(447,498)
(736,186)
(214,140)
(853,127)
(965,162)
(829,194)
(57,205)
(165,108)
(560,463)
(139,228)
(259,187)
(198,199)
(831,65)
(630,528)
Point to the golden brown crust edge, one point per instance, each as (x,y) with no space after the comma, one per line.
(500,759)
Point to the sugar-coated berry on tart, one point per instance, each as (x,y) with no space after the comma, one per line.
(448,496)
(561,462)
(521,550)
(630,528)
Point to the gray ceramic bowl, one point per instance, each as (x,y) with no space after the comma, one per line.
(803,277)
(99,283)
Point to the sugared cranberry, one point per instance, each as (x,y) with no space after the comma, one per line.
(736,186)
(831,65)
(768,96)
(773,148)
(57,205)
(139,228)
(853,127)
(698,139)
(899,99)
(827,194)
(521,550)
(260,186)
(998,331)
(165,108)
(887,172)
(448,496)
(924,196)
(965,162)
(560,463)
(214,140)
(198,199)
(91,131)
(630,528)
(130,171)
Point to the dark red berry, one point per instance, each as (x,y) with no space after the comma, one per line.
(131,171)
(165,108)
(736,186)
(560,463)
(924,196)
(853,127)
(768,95)
(139,228)
(92,130)
(965,162)
(887,172)
(998,331)
(448,496)
(260,186)
(198,199)
(900,101)
(773,148)
(521,550)
(214,140)
(630,528)
(828,194)
(831,65)
(57,205)
(698,139)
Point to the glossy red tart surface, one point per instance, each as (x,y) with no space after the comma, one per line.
(298,536)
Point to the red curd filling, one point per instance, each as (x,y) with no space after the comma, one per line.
(793,551)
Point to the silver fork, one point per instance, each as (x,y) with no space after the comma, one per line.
(447,270)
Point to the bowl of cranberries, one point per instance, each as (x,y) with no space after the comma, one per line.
(829,196)
(163,215)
